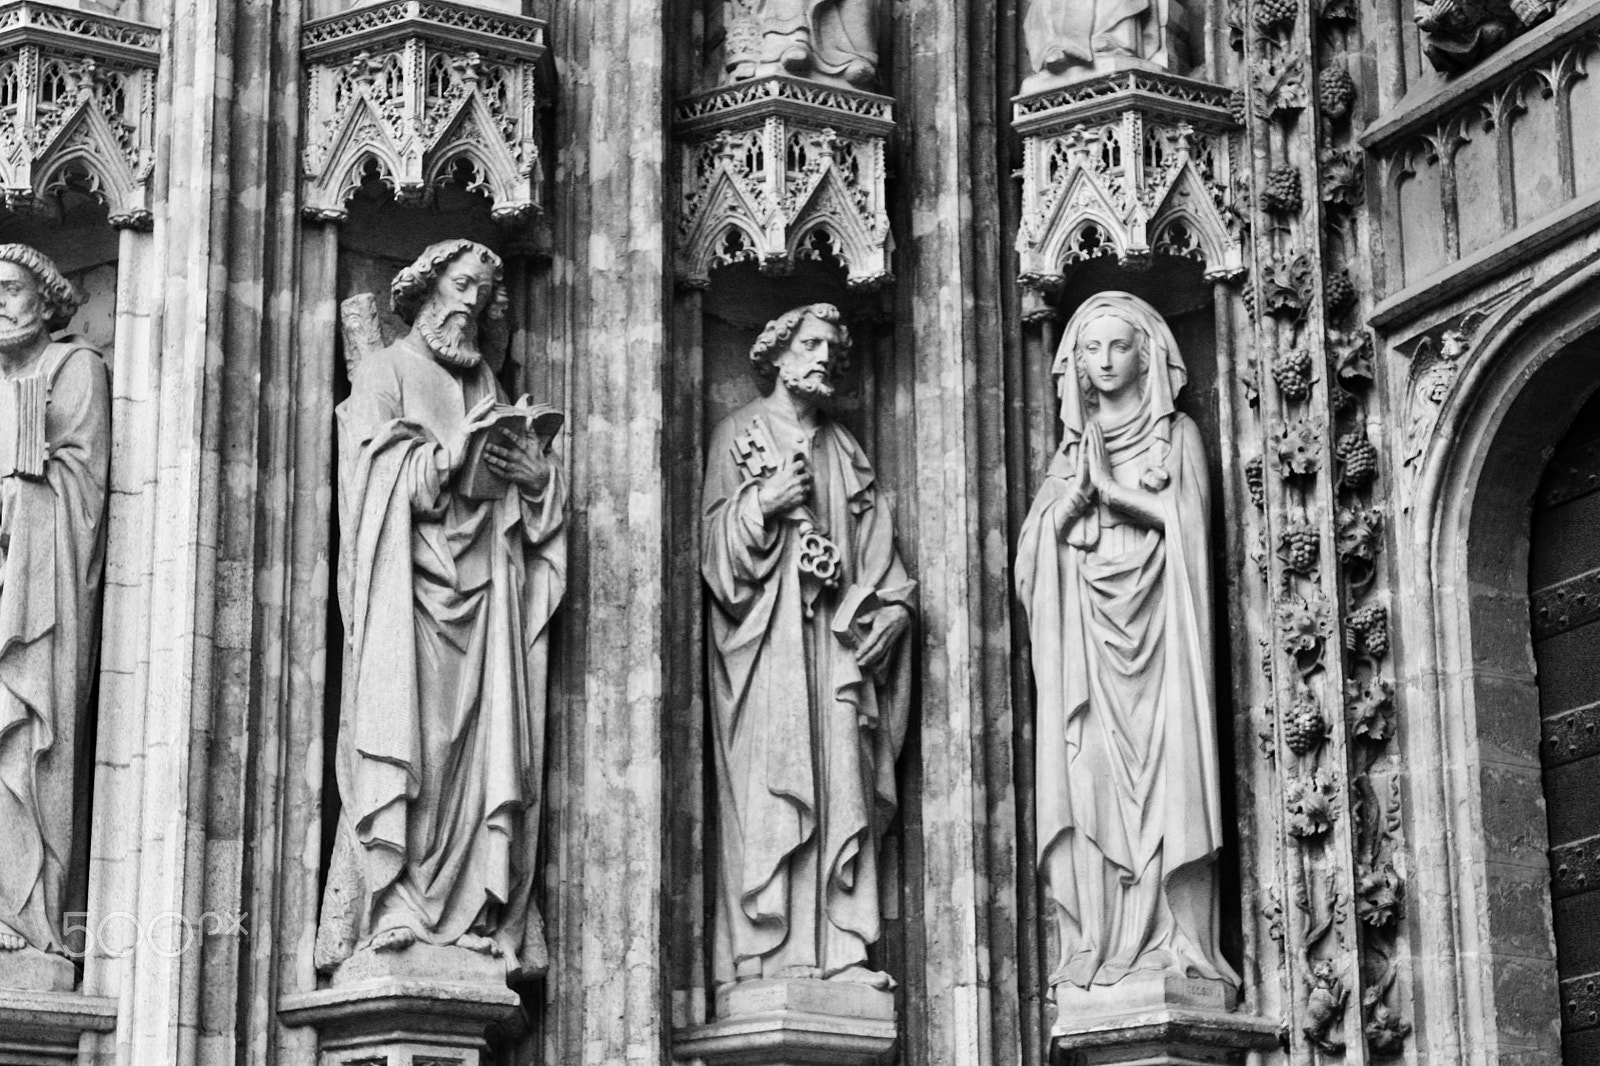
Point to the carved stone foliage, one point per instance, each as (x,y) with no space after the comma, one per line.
(1130,165)
(77,104)
(411,92)
(777,170)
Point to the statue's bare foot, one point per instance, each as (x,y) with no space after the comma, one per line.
(481,944)
(394,940)
(796,59)
(10,939)
(860,975)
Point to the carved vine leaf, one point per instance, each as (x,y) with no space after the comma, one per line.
(1303,630)
(1342,177)
(1369,706)
(1338,11)
(1287,287)
(1310,804)
(1386,1030)
(1297,445)
(1379,891)
(1352,357)
(1280,84)
(1359,537)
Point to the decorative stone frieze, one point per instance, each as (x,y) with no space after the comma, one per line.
(1129,165)
(408,91)
(777,170)
(77,105)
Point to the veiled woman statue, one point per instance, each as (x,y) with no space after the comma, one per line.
(1113,568)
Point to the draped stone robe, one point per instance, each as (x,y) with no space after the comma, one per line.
(447,604)
(836,32)
(52,552)
(805,744)
(1128,792)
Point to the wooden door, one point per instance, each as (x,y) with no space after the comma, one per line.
(1564,586)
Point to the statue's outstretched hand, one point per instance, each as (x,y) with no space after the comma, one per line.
(888,626)
(787,489)
(454,452)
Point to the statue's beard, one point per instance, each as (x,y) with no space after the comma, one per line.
(813,385)
(453,336)
(15,338)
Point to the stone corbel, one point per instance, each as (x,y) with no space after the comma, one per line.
(1129,165)
(77,104)
(408,90)
(776,170)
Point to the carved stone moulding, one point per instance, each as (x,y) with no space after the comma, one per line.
(402,1022)
(776,170)
(44,1027)
(794,1023)
(1128,165)
(410,91)
(1169,1037)
(77,106)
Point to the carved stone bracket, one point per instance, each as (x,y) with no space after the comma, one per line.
(1128,165)
(77,104)
(777,170)
(407,91)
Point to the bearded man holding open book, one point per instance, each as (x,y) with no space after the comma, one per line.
(452,562)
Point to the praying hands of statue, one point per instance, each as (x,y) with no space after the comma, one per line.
(1080,497)
(889,623)
(786,489)
(1137,504)
(524,463)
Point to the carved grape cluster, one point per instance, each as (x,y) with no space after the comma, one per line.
(1341,291)
(1358,460)
(1255,482)
(1239,105)
(1298,547)
(1292,371)
(1336,93)
(1367,631)
(1304,727)
(1281,193)
(1271,14)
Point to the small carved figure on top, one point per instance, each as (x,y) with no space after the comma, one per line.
(809,688)
(55,455)
(831,41)
(1456,34)
(1114,571)
(452,562)
(1070,40)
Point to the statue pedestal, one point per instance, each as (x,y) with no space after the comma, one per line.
(402,1022)
(794,1023)
(1154,1020)
(37,971)
(44,1027)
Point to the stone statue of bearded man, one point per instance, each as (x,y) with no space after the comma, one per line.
(447,602)
(55,455)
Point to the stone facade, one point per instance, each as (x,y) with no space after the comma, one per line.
(1372,230)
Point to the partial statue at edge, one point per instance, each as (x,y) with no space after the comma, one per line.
(1070,40)
(830,41)
(55,456)
(452,562)
(1114,571)
(809,688)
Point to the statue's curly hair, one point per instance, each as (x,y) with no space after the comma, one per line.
(62,298)
(777,334)
(412,285)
